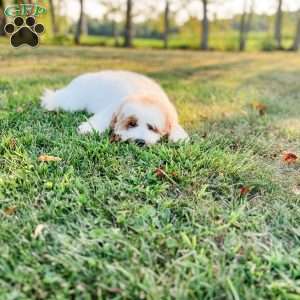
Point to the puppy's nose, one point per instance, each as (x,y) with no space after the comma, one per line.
(140,142)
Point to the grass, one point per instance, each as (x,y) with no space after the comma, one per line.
(111,227)
(226,42)
(219,41)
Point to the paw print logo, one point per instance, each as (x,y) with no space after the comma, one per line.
(24,33)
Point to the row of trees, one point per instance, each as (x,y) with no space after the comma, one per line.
(245,24)
(114,7)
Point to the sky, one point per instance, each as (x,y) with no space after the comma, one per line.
(221,8)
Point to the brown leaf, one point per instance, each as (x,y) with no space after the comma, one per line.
(38,230)
(261,108)
(160,173)
(289,158)
(244,190)
(47,158)
(10,210)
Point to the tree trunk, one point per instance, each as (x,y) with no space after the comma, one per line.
(278,26)
(128,26)
(166,25)
(245,26)
(296,45)
(53,18)
(79,25)
(2,18)
(115,32)
(243,30)
(205,27)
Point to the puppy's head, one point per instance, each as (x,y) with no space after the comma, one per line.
(143,119)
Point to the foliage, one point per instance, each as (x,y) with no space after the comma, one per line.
(268,44)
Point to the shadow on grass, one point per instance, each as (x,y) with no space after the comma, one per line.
(184,73)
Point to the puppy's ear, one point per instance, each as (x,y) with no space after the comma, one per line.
(177,134)
(113,121)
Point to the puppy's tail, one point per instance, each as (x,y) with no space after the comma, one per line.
(48,100)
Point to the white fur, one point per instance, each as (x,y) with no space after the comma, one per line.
(108,93)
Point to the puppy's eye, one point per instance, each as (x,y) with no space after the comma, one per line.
(132,124)
(152,128)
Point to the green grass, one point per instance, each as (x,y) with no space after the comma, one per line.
(219,41)
(113,228)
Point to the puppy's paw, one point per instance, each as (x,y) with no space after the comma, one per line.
(85,128)
(178,134)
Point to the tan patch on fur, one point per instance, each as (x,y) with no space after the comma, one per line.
(165,107)
(130,122)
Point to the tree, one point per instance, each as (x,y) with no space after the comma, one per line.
(113,10)
(278,25)
(296,45)
(2,18)
(79,24)
(53,18)
(166,24)
(245,25)
(128,25)
(205,27)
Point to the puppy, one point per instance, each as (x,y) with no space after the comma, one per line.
(132,105)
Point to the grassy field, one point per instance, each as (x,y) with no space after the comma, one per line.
(219,41)
(217,218)
(224,41)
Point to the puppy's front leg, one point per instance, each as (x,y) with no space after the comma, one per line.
(99,123)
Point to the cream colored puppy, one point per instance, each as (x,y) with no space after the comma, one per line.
(132,105)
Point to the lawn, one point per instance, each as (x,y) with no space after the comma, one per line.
(219,41)
(217,218)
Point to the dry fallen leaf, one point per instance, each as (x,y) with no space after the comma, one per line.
(244,190)
(38,230)
(289,157)
(261,108)
(47,158)
(10,210)
(160,173)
